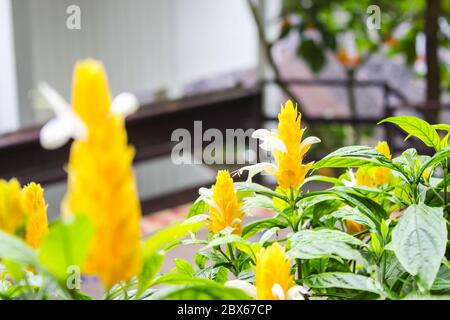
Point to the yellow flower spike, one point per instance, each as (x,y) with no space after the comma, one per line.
(273,272)
(364,177)
(382,175)
(383,148)
(291,172)
(225,209)
(12,208)
(37,224)
(101,182)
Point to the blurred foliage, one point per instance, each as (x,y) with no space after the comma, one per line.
(329,20)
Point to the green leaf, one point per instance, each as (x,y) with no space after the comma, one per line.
(309,244)
(200,260)
(177,279)
(268,235)
(345,281)
(199,207)
(263,224)
(313,54)
(166,236)
(257,188)
(351,157)
(223,240)
(442,281)
(16,250)
(354,214)
(418,128)
(152,264)
(317,178)
(184,267)
(419,242)
(222,275)
(365,205)
(442,126)
(259,201)
(66,244)
(207,291)
(437,158)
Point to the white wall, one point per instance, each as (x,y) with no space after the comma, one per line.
(8,85)
(145,45)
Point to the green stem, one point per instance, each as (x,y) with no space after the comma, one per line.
(446,167)
(229,260)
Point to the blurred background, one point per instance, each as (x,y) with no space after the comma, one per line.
(227,63)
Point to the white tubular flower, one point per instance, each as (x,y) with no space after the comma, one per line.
(245,286)
(349,45)
(64,126)
(352,182)
(67,124)
(309,141)
(270,141)
(125,104)
(253,170)
(207,196)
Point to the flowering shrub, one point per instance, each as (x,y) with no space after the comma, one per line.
(378,231)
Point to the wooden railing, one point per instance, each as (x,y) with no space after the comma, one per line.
(149,131)
(151,127)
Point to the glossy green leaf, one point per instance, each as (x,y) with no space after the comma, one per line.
(418,128)
(161,239)
(344,281)
(199,207)
(419,241)
(152,264)
(184,267)
(262,224)
(66,244)
(309,244)
(16,250)
(207,291)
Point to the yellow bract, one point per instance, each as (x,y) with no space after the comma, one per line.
(227,209)
(12,206)
(291,172)
(373,178)
(382,175)
(23,212)
(272,268)
(37,224)
(101,182)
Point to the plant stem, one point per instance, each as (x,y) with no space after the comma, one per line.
(267,48)
(231,262)
(446,167)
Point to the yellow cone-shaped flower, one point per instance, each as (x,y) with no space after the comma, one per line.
(101,182)
(371,177)
(12,208)
(382,175)
(291,172)
(36,208)
(226,209)
(272,268)
(365,177)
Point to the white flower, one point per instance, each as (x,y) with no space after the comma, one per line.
(294,293)
(271,143)
(352,182)
(67,124)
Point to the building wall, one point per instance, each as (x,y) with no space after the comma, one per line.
(145,45)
